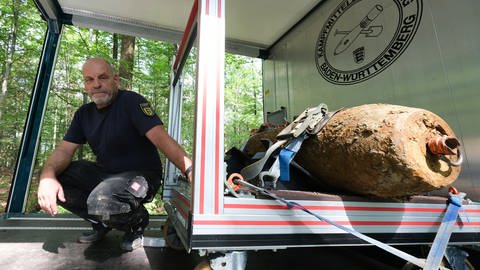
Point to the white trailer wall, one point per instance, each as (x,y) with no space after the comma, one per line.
(437,68)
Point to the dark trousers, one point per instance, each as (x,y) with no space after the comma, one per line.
(81,177)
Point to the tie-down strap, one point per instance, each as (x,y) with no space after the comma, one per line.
(445,230)
(438,247)
(309,122)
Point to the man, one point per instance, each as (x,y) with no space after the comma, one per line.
(124,134)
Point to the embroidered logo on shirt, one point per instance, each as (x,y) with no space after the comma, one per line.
(147,109)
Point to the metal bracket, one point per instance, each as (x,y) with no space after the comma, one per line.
(234,260)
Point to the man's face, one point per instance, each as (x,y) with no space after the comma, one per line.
(100,83)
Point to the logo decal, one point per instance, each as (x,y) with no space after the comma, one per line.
(361,38)
(147,109)
(135,186)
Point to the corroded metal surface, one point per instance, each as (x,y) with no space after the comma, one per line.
(379,149)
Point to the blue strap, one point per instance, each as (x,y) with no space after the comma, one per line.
(287,154)
(444,232)
(285,158)
(455,201)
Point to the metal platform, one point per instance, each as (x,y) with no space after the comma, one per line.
(40,242)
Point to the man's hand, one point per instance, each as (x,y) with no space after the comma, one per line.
(189,176)
(48,191)
(49,188)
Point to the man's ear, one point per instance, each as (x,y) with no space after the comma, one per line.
(116,79)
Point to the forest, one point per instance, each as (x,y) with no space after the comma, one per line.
(144,66)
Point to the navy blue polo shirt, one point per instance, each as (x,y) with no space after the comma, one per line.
(116,133)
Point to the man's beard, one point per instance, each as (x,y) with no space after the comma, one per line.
(103,100)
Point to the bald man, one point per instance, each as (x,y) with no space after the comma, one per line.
(124,133)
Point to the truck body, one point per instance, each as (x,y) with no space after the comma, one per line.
(329,56)
(417,57)
(419,53)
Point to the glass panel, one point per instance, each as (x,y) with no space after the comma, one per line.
(22,32)
(149,76)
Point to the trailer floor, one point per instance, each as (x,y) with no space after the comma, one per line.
(41,242)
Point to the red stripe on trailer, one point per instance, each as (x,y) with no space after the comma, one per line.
(217,131)
(217,143)
(181,204)
(219,8)
(203,142)
(322,223)
(181,198)
(188,30)
(207,7)
(346,208)
(180,209)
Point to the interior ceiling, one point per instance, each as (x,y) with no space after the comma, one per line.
(255,23)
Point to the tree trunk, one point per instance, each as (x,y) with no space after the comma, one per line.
(115,48)
(127,55)
(80,152)
(12,44)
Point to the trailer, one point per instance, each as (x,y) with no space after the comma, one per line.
(340,52)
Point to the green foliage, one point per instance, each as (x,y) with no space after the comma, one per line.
(243,103)
(14,102)
(21,40)
(188,109)
(151,78)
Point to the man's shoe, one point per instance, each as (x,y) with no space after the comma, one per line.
(93,236)
(132,241)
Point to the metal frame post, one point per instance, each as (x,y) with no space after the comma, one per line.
(174,130)
(26,158)
(209,130)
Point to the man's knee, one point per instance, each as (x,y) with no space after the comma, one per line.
(117,197)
